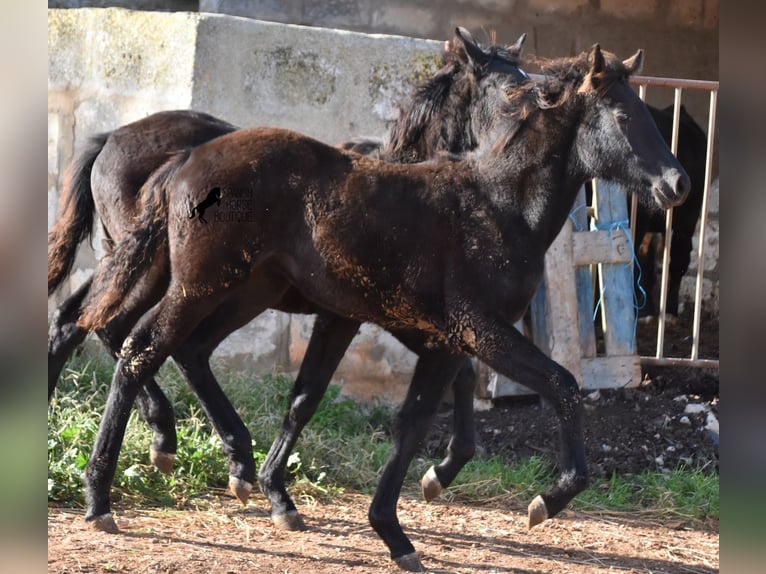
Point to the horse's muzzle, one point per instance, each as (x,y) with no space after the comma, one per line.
(672,189)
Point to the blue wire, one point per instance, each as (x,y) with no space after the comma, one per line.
(622,225)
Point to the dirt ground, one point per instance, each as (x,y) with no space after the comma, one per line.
(652,427)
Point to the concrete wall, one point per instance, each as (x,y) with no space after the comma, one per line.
(108,67)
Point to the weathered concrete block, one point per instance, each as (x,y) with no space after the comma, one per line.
(687,12)
(629,8)
(260,344)
(271,10)
(558,6)
(376,366)
(329,84)
(405,19)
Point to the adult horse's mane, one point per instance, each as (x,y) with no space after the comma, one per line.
(461,54)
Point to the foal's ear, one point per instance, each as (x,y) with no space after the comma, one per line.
(472,49)
(597,67)
(596,60)
(515,48)
(634,63)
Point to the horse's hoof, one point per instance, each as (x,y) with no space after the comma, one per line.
(290,520)
(164,461)
(240,488)
(432,488)
(104,523)
(410,562)
(537,511)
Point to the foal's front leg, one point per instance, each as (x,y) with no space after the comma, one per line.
(510,353)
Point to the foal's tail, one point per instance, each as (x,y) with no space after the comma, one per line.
(76,208)
(132,257)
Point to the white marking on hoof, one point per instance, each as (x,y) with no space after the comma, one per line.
(104,523)
(432,488)
(240,488)
(537,511)
(410,562)
(164,461)
(290,520)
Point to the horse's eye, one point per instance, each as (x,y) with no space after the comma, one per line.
(621,117)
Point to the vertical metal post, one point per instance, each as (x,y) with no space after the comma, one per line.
(668,233)
(703,225)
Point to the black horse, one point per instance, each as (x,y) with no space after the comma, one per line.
(449,113)
(445,254)
(691,152)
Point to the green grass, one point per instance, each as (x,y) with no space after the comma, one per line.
(343,448)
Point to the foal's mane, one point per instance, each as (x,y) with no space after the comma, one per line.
(562,78)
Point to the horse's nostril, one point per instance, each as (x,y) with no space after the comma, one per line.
(683,185)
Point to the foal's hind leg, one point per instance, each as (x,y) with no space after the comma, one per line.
(153,406)
(330,338)
(193,358)
(462,445)
(518,358)
(145,349)
(412,423)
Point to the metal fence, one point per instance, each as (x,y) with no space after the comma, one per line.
(678,86)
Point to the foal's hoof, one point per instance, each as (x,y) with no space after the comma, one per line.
(537,511)
(104,523)
(164,461)
(240,488)
(290,520)
(410,562)
(432,488)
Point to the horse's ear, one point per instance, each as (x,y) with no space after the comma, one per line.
(596,60)
(634,63)
(515,48)
(472,49)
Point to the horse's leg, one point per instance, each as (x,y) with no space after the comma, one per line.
(153,406)
(462,445)
(63,335)
(516,357)
(412,422)
(193,359)
(330,338)
(155,337)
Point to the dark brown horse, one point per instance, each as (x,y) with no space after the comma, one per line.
(449,113)
(445,254)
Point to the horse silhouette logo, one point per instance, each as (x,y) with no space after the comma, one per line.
(213,198)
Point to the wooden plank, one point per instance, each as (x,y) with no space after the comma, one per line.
(539,318)
(561,303)
(616,279)
(602,246)
(612,372)
(583,280)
